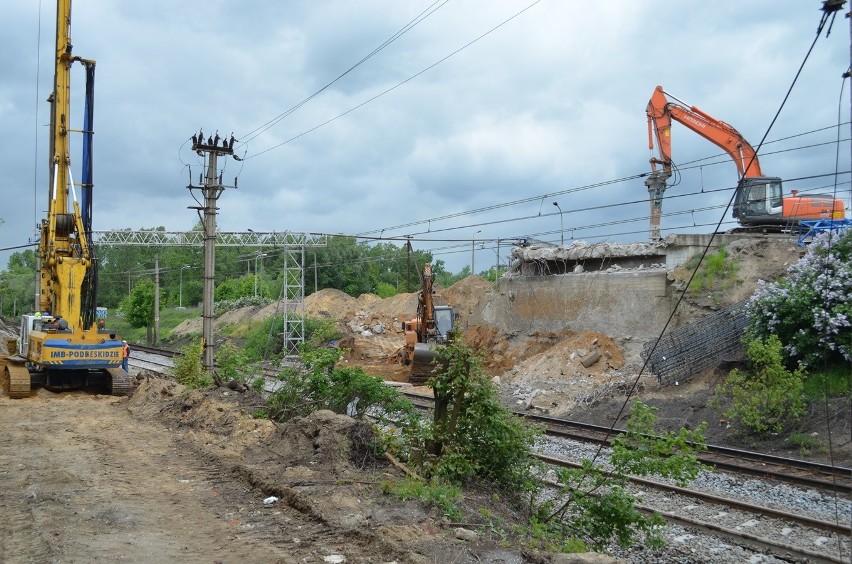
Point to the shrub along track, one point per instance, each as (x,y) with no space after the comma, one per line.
(766,529)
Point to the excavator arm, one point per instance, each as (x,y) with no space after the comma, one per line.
(661,112)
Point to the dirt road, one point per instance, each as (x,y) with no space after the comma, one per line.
(83,480)
(173,475)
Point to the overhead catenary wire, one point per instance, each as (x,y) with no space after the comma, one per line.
(463,245)
(591,186)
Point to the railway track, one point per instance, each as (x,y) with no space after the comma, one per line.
(766,466)
(153,359)
(787,533)
(783,534)
(154,350)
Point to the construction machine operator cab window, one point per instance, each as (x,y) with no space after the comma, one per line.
(757,199)
(444,321)
(764,197)
(776,197)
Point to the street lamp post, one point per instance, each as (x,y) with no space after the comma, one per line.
(256,257)
(180,293)
(473,252)
(561,225)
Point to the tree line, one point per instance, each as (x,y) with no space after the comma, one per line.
(346,264)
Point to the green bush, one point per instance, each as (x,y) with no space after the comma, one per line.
(385,290)
(316,384)
(232,363)
(768,396)
(594,505)
(188,369)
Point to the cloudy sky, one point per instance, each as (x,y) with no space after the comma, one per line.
(467,122)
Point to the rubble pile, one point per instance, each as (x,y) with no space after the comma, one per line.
(583,250)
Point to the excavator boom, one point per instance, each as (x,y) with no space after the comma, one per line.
(660,114)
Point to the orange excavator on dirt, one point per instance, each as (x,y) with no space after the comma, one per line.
(432,328)
(759,201)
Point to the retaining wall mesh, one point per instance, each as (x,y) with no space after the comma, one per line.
(686,351)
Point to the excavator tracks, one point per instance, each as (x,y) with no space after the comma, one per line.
(16,380)
(420,373)
(121,382)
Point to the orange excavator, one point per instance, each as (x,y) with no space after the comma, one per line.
(759,201)
(432,328)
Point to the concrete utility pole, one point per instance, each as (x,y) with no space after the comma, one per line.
(408,263)
(156,298)
(211,189)
(473,252)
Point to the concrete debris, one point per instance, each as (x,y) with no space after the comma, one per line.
(466,534)
(592,358)
(583,250)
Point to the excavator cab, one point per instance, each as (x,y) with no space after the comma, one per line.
(444,320)
(759,200)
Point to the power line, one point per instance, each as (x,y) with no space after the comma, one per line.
(407,27)
(394,87)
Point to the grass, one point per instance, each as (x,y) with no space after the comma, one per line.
(169,319)
(717,272)
(807,443)
(435,494)
(836,380)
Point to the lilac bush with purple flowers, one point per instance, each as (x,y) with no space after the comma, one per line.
(810,310)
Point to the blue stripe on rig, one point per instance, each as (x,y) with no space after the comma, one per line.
(63,354)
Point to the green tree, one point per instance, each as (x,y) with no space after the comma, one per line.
(359,268)
(138,307)
(235,288)
(446,278)
(17,283)
(472,435)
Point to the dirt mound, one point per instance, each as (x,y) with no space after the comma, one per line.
(752,260)
(220,417)
(330,303)
(323,466)
(464,296)
(557,372)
